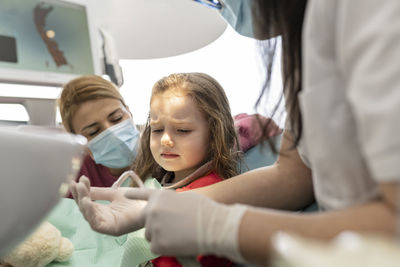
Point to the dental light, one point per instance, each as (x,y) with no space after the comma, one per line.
(145,29)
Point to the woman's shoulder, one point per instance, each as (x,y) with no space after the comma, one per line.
(98,175)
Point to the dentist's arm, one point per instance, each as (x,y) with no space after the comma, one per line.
(258,225)
(285,185)
(190,224)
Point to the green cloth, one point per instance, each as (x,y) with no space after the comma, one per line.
(95,249)
(137,249)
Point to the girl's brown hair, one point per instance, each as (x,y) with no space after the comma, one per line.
(80,90)
(211,100)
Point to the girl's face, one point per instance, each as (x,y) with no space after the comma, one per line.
(95,116)
(179,137)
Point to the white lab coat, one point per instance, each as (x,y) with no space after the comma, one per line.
(351,98)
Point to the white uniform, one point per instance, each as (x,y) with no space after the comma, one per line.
(351,98)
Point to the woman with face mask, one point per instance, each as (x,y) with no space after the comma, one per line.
(93,107)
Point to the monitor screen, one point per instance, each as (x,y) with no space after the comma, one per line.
(46,42)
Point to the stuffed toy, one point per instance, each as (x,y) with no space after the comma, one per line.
(44,246)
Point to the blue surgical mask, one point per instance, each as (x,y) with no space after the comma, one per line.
(238,14)
(116,146)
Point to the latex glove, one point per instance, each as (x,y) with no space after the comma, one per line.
(188,224)
(120,216)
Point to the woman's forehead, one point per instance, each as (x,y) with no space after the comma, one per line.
(97,106)
(97,109)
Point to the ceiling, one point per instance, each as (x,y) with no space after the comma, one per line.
(145,29)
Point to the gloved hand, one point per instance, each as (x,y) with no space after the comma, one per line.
(188,224)
(121,216)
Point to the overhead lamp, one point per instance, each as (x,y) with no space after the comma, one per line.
(146,29)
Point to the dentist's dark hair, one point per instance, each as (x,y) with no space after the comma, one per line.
(284,18)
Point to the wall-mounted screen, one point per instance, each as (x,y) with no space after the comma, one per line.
(46,41)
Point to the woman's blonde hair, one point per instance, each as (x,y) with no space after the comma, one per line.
(80,90)
(211,100)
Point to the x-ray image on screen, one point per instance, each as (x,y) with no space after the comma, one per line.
(46,36)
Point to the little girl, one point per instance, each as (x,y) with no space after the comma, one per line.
(189,140)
